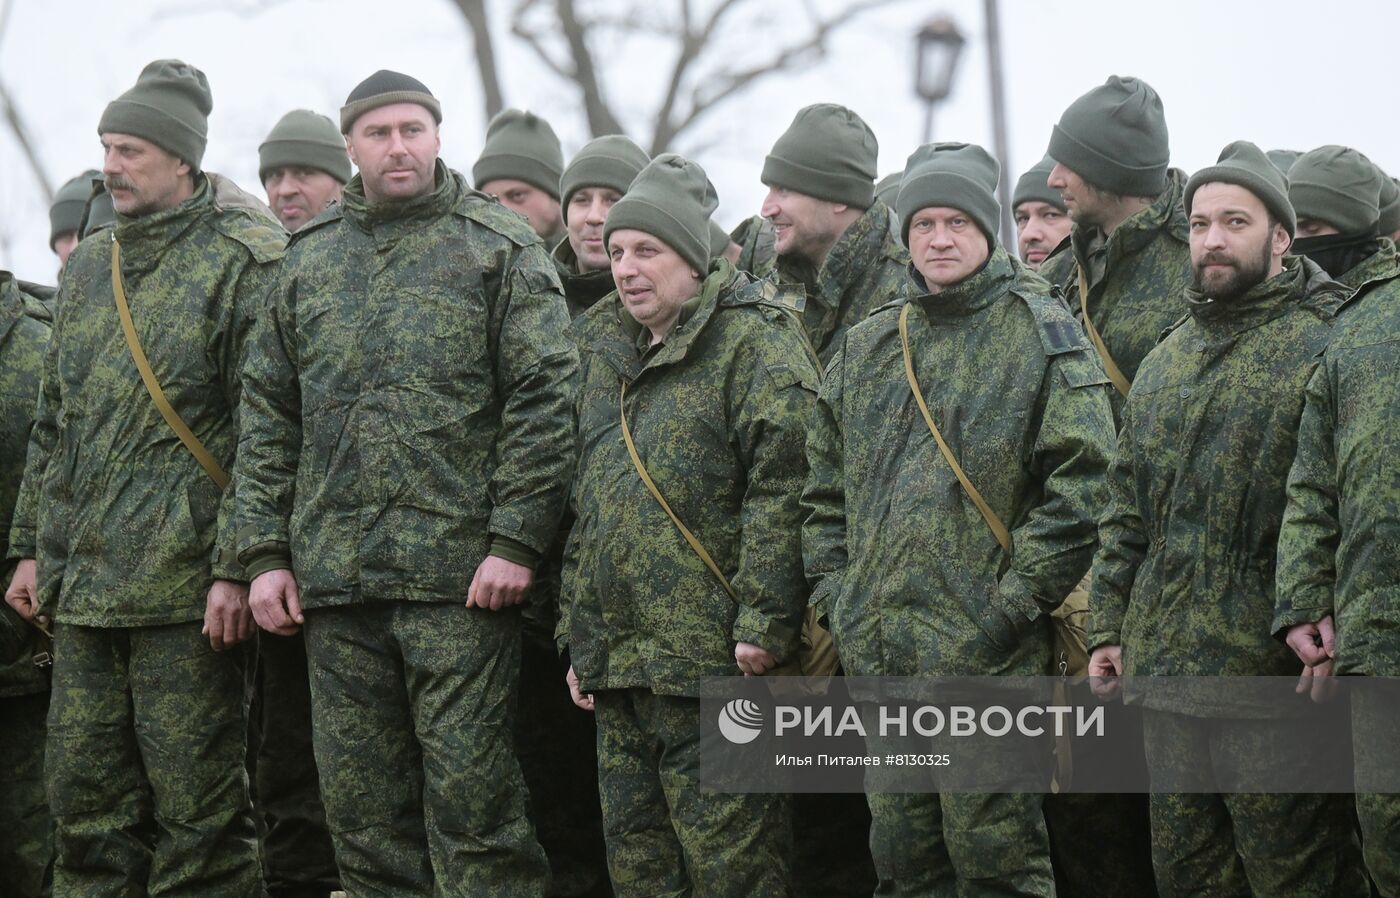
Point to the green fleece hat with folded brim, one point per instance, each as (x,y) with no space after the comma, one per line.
(828,152)
(169,106)
(887,188)
(672,200)
(611,161)
(1031,187)
(66,212)
(1115,138)
(385,88)
(520,146)
(1245,165)
(1389,221)
(304,139)
(1339,186)
(952,175)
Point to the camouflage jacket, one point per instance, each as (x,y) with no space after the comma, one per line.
(1184,579)
(405,400)
(719,413)
(756,239)
(25,320)
(864,271)
(581,291)
(127,528)
(906,568)
(1137,277)
(1337,546)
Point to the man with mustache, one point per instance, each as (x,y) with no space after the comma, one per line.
(404,431)
(1042,222)
(1183,579)
(131,520)
(832,236)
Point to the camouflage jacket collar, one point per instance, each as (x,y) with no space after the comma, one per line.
(970,295)
(1382,265)
(144,240)
(581,291)
(1300,283)
(404,215)
(1166,216)
(858,252)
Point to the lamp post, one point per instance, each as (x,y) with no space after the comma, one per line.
(939,44)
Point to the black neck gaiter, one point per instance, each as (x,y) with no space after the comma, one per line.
(1337,254)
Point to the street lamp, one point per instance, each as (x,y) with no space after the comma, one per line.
(939,44)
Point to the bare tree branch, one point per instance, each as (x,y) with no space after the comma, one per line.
(474,11)
(692,45)
(10,111)
(601,119)
(702,101)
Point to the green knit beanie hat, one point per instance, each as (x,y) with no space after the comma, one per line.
(1032,187)
(1337,185)
(1389,221)
(672,200)
(66,213)
(956,175)
(523,147)
(385,88)
(887,188)
(827,152)
(1244,164)
(1283,159)
(1115,138)
(612,161)
(307,139)
(169,106)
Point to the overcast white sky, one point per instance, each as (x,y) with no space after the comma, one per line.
(1283,73)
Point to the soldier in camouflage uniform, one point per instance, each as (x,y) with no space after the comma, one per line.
(1183,581)
(302,166)
(595,179)
(685,345)
(1126,262)
(66,214)
(133,536)
(557,741)
(405,401)
(1337,568)
(911,574)
(520,165)
(755,239)
(1337,194)
(26,851)
(1042,221)
(832,236)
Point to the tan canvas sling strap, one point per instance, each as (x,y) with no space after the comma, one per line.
(148,377)
(1109,365)
(998,528)
(689,537)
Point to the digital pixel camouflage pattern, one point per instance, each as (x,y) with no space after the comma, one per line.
(909,572)
(756,240)
(719,413)
(1242,844)
(26,851)
(406,400)
(1336,545)
(129,534)
(1136,277)
(127,528)
(412,724)
(864,271)
(666,836)
(912,577)
(1184,580)
(405,403)
(160,808)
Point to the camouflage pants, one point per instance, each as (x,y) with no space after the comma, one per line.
(297,854)
(411,723)
(26,846)
(146,773)
(1244,844)
(667,838)
(1374,741)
